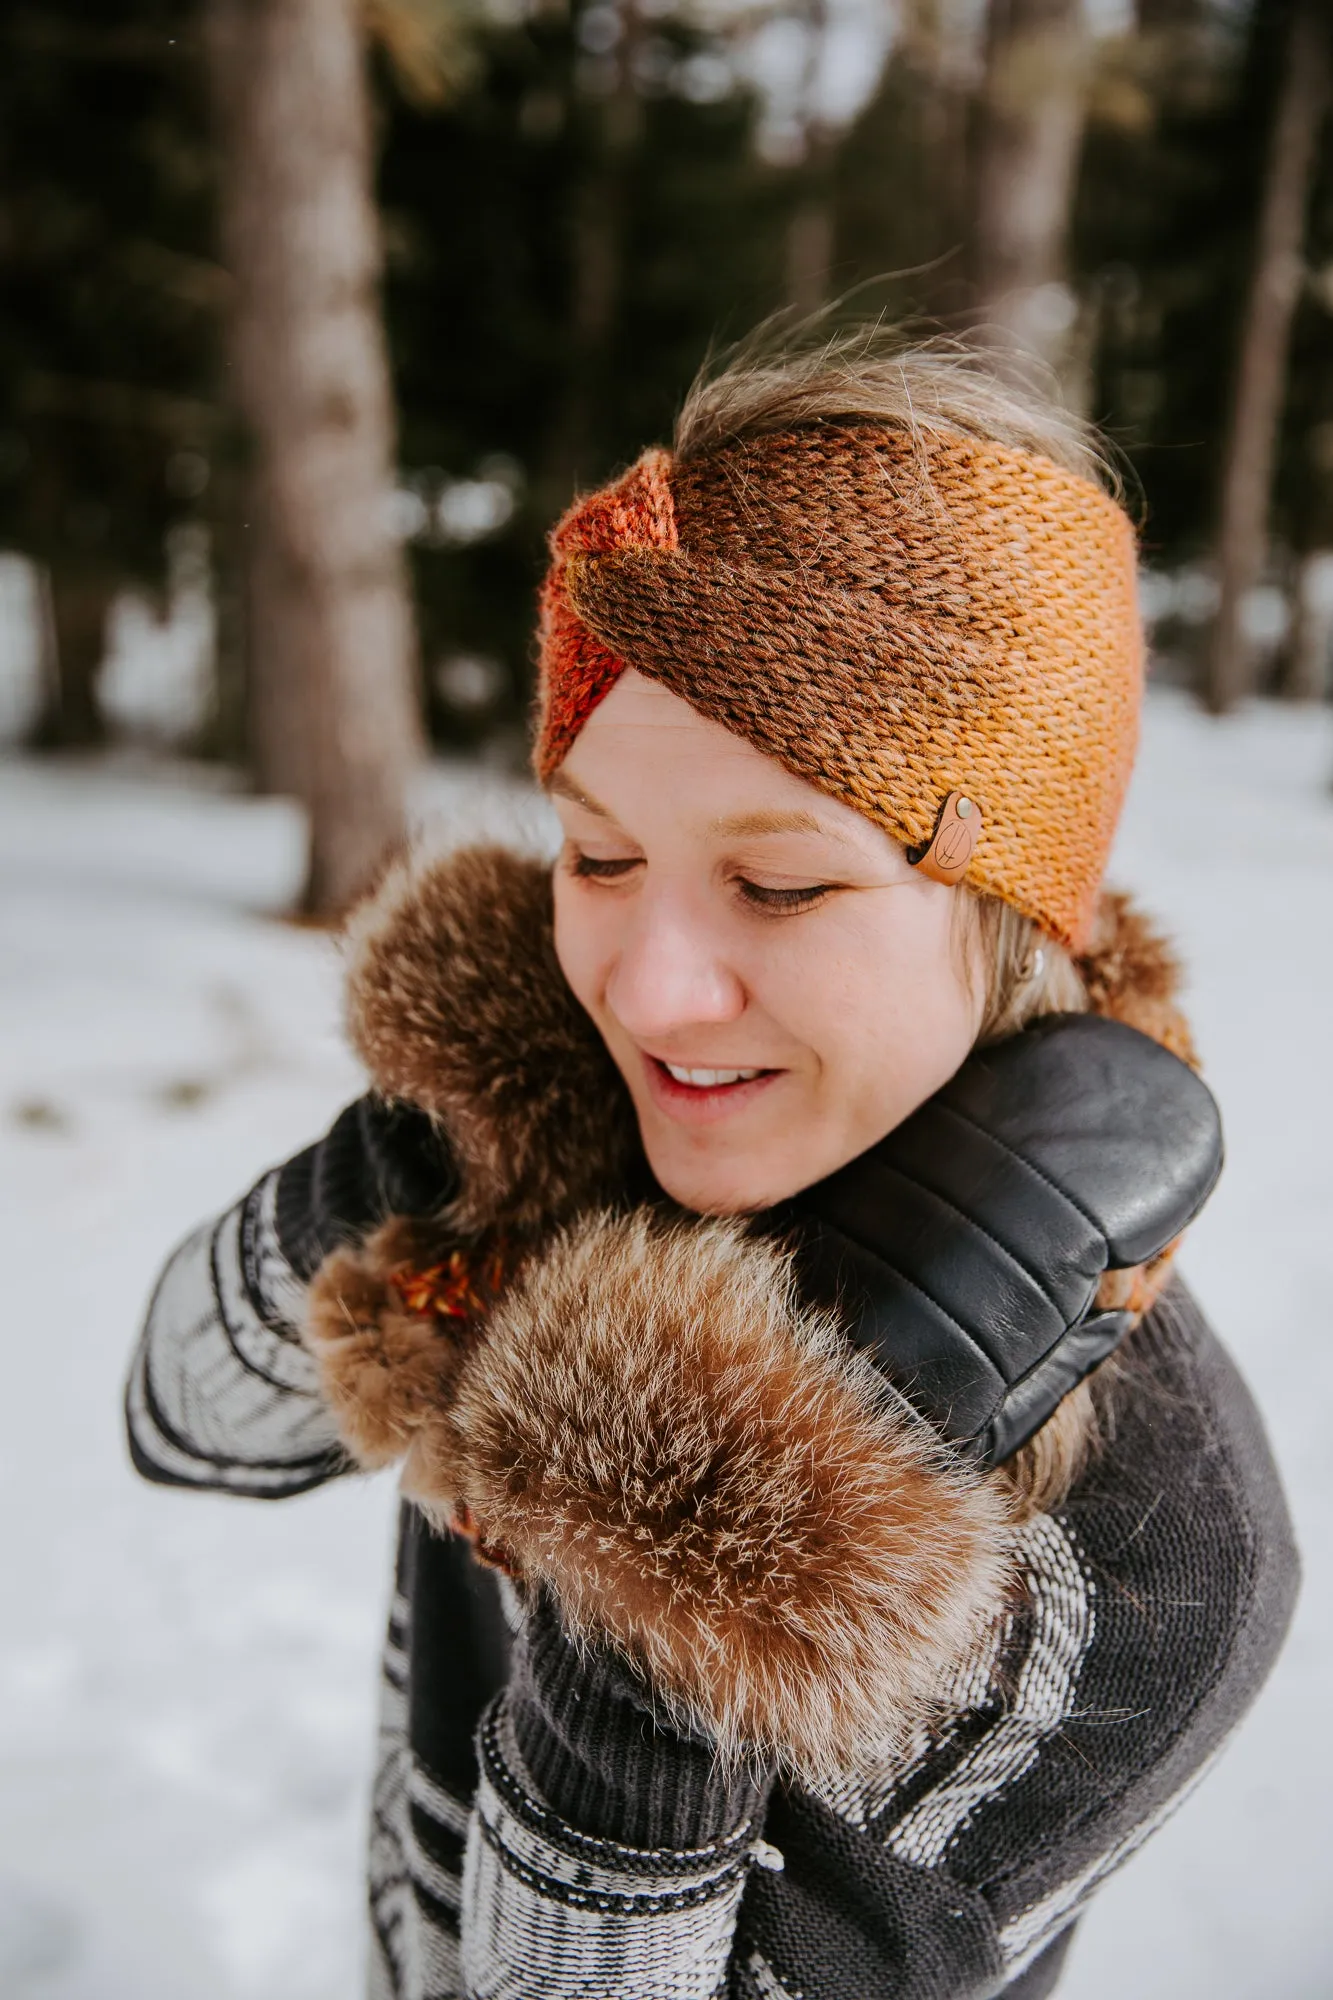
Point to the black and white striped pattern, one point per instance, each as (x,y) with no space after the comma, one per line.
(1060,1593)
(495,1897)
(1028,1694)
(414,1933)
(221,1393)
(548,1910)
(758,1981)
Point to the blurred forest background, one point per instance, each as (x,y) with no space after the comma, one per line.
(315,313)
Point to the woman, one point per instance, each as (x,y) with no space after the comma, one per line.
(788,1601)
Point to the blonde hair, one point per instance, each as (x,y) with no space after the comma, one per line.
(793,375)
(1026,972)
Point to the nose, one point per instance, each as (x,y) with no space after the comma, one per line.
(671,973)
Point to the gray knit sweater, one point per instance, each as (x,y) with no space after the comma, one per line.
(539,1831)
(544,1826)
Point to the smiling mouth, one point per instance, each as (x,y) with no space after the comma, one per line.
(691,1092)
(709,1079)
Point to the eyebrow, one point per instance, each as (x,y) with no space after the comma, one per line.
(737,826)
(748,826)
(561,787)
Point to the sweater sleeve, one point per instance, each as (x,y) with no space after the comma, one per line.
(222,1394)
(608,1850)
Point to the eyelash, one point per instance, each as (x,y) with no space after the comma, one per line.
(590,869)
(775,902)
(779,901)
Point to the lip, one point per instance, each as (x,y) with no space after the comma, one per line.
(687,1104)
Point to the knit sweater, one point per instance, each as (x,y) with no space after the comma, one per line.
(544,1824)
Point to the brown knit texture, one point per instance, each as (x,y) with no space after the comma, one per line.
(892,619)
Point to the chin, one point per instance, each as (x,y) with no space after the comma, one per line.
(718,1187)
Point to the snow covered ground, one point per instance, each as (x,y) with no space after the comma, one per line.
(186,1683)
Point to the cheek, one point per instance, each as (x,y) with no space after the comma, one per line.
(887,1007)
(586,941)
(575,945)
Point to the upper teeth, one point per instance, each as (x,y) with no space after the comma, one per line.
(709,1079)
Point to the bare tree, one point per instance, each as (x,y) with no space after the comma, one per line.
(334,706)
(597,244)
(1157,16)
(810,231)
(78,606)
(1030,120)
(1309,649)
(1256,410)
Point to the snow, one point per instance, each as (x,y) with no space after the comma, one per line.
(156,684)
(187,1683)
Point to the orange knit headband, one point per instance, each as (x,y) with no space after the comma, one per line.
(895,620)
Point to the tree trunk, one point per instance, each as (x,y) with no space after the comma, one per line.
(1309,650)
(810,230)
(1158,16)
(229,505)
(810,240)
(597,255)
(1029,135)
(79,606)
(1256,410)
(334,705)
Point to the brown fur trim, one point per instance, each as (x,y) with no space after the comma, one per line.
(456,1002)
(1133,975)
(382,1367)
(694,1462)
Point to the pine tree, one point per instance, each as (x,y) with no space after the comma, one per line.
(331,654)
(617,220)
(1261,365)
(1031,108)
(109,309)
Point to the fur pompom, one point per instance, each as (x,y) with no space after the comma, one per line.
(456,1002)
(383,1366)
(1132,975)
(695,1464)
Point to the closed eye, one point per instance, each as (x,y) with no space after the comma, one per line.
(589,868)
(772,901)
(778,900)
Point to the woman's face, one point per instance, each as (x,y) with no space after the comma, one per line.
(777,985)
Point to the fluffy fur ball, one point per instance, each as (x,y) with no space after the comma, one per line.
(695,1464)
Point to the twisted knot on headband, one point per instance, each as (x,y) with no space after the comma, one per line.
(895,619)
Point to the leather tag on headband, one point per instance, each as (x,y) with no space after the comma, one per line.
(946,855)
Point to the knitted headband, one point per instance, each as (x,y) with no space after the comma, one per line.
(901,623)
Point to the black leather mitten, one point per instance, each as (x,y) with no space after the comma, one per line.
(377,1159)
(965,1250)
